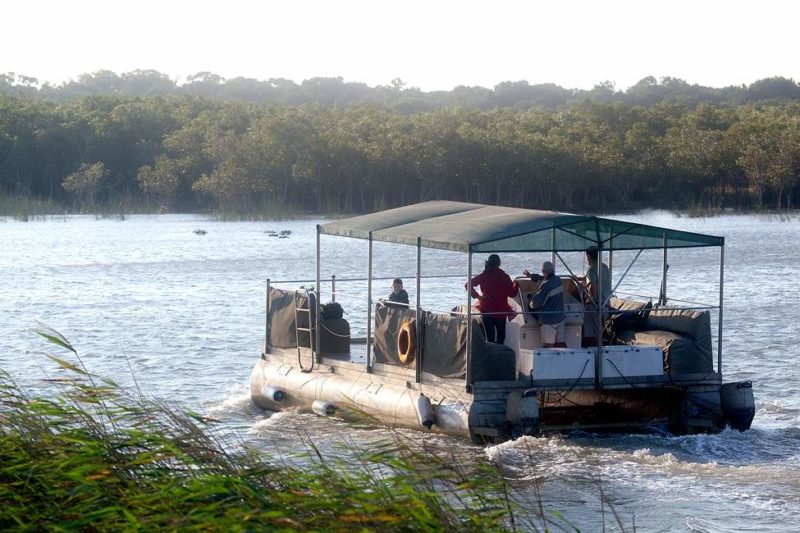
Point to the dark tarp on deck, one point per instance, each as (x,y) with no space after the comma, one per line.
(465,227)
(334,335)
(444,345)
(388,320)
(684,336)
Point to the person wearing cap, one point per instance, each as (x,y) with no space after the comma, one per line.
(548,302)
(496,288)
(598,285)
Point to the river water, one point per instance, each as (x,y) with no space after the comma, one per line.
(146,297)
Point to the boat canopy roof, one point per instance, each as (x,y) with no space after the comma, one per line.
(466,227)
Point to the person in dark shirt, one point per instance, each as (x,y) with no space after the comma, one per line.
(398,295)
(496,288)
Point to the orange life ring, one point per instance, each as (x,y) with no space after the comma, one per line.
(405,342)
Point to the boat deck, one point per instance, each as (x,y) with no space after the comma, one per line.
(356,361)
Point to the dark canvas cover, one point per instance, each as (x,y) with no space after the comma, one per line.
(388,320)
(681,355)
(282,318)
(496,363)
(445,350)
(696,326)
(334,337)
(335,332)
(684,336)
(444,346)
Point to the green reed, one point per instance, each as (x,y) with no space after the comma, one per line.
(90,455)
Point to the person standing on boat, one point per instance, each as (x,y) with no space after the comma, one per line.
(496,288)
(398,295)
(597,276)
(549,303)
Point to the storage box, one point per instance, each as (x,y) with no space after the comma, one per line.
(632,361)
(572,335)
(557,363)
(530,337)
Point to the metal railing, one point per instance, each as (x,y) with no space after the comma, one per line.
(467,313)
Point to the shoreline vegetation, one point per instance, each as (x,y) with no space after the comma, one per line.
(25,209)
(88,455)
(140,143)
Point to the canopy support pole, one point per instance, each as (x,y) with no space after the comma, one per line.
(267,347)
(317,306)
(333,287)
(600,303)
(662,299)
(418,332)
(719,319)
(627,270)
(571,273)
(468,386)
(611,261)
(369,305)
(553,246)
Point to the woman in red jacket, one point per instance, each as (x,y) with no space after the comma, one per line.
(496,288)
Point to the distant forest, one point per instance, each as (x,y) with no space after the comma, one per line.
(245,146)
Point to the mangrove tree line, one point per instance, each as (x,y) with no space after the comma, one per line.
(175,150)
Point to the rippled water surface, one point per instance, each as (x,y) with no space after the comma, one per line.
(184,314)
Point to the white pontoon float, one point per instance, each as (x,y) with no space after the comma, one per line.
(429,371)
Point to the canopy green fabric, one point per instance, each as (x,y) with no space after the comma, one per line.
(465,227)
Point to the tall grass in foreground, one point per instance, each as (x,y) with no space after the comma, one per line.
(92,456)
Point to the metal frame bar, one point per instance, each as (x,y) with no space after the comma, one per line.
(267,347)
(315,351)
(418,332)
(468,384)
(369,305)
(571,273)
(375,278)
(469,314)
(719,319)
(626,271)
(662,300)
(598,360)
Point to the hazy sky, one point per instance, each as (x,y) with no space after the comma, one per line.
(428,44)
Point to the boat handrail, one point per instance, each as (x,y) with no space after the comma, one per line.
(585,312)
(700,304)
(407,276)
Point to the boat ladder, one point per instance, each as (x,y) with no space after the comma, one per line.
(298,312)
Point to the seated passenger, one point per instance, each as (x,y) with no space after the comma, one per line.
(398,295)
(549,303)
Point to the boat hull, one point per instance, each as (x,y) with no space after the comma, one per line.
(356,395)
(490,411)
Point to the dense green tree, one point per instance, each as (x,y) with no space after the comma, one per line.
(204,151)
(86,182)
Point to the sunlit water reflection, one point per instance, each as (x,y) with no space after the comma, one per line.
(183,314)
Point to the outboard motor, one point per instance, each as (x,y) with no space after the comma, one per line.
(522,411)
(738,405)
